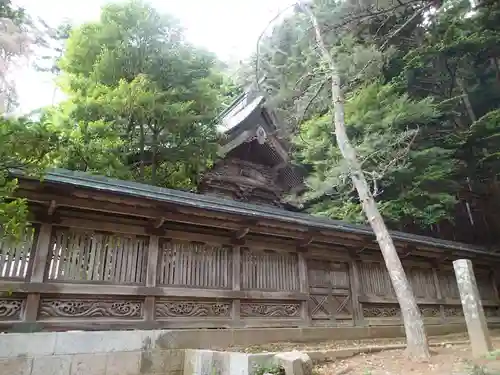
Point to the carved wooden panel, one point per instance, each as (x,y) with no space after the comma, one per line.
(78,308)
(15,258)
(375,280)
(258,309)
(422,282)
(194,265)
(192,309)
(453,311)
(448,284)
(11,308)
(92,256)
(371,310)
(269,270)
(430,311)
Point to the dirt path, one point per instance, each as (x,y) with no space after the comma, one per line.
(446,360)
(340,344)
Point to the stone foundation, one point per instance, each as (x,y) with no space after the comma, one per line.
(156,352)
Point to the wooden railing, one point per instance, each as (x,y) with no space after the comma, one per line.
(65,278)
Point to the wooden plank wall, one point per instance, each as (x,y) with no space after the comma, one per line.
(64,277)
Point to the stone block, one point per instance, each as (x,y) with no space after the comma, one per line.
(98,342)
(123,363)
(165,361)
(88,364)
(194,339)
(27,344)
(16,366)
(53,365)
(294,363)
(198,362)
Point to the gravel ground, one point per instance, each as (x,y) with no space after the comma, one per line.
(445,360)
(341,344)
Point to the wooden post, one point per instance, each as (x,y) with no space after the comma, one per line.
(473,310)
(41,254)
(236,283)
(304,288)
(439,294)
(355,287)
(39,266)
(152,267)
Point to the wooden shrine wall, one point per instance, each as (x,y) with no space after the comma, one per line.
(68,277)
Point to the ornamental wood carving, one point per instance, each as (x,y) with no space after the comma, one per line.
(189,309)
(381,311)
(430,311)
(10,309)
(72,308)
(269,310)
(453,311)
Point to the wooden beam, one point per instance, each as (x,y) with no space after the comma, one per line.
(142,291)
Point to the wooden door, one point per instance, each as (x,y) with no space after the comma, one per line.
(329,293)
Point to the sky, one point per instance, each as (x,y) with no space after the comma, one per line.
(230,28)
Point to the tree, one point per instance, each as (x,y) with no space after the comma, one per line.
(390,132)
(149,92)
(417,345)
(27,147)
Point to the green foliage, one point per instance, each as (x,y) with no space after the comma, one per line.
(140,99)
(26,146)
(410,182)
(269,369)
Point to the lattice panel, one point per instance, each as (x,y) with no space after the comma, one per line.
(422,282)
(269,270)
(194,265)
(94,308)
(93,256)
(375,280)
(448,285)
(15,257)
(485,285)
(323,274)
(325,307)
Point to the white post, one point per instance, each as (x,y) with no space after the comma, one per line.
(473,309)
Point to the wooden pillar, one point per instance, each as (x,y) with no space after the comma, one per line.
(355,287)
(152,267)
(38,268)
(304,287)
(473,310)
(41,254)
(236,283)
(439,294)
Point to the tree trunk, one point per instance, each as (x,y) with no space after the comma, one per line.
(417,345)
(142,153)
(153,158)
(466,100)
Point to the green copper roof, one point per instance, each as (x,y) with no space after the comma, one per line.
(105,184)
